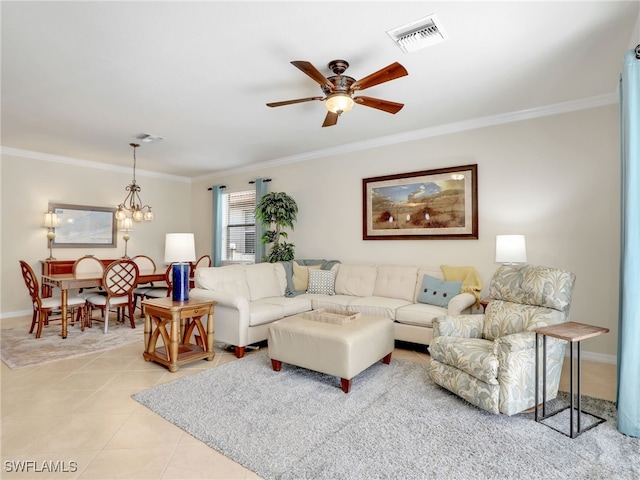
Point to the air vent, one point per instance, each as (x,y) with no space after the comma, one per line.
(418,34)
(148,138)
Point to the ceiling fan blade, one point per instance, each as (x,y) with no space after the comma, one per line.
(313,72)
(390,72)
(385,105)
(330,120)
(290,102)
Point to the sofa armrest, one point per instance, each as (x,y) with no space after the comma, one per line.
(516,342)
(463,326)
(459,303)
(224,299)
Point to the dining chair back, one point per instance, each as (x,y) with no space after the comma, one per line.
(203,261)
(119,280)
(42,307)
(91,265)
(160,292)
(145,262)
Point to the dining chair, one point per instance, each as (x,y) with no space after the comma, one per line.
(119,280)
(145,262)
(160,292)
(43,307)
(203,261)
(89,265)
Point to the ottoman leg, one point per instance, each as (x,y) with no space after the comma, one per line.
(387,359)
(346,385)
(276,364)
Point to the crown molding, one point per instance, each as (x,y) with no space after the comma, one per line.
(436,131)
(47,157)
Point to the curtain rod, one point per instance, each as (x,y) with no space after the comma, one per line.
(638,52)
(221,186)
(264,180)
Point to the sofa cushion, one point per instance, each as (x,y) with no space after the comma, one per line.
(395,282)
(231,279)
(438,292)
(321,281)
(261,313)
(420,314)
(377,306)
(263,280)
(356,280)
(301,275)
(332,302)
(290,305)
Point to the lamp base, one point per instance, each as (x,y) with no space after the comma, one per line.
(180,287)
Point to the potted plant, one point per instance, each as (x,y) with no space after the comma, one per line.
(277,210)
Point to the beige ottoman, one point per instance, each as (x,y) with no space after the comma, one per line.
(339,350)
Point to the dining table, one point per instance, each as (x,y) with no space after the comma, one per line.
(68,281)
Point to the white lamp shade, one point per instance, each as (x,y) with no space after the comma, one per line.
(50,220)
(511,249)
(126,225)
(179,247)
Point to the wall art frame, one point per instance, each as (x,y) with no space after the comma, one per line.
(83,226)
(439,204)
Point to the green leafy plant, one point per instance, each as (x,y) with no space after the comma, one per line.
(277,211)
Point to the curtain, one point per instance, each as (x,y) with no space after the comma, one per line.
(261,189)
(217,218)
(628,394)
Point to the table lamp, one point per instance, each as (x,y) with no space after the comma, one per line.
(180,249)
(510,249)
(50,222)
(126,226)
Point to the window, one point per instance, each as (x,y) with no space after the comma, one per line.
(239,229)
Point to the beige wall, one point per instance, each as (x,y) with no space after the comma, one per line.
(29,185)
(554,179)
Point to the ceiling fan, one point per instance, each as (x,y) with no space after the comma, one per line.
(339,89)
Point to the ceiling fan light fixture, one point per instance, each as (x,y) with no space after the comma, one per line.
(339,103)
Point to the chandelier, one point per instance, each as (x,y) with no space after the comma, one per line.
(132,204)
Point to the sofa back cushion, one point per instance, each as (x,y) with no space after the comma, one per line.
(394,281)
(264,281)
(534,285)
(230,279)
(356,280)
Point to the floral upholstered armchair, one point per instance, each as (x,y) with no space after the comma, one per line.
(489,359)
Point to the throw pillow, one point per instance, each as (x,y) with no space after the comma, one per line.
(438,292)
(301,275)
(322,281)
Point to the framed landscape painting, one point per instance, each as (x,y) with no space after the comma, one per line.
(432,204)
(83,226)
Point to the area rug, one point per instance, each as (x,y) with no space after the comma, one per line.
(395,423)
(19,348)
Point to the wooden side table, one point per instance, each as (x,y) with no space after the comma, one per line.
(182,318)
(573,333)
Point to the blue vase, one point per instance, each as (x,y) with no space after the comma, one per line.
(180,282)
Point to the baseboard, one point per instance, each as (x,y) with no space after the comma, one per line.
(21,313)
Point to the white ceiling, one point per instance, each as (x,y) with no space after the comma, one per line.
(80,79)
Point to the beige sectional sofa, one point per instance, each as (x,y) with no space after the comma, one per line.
(251,297)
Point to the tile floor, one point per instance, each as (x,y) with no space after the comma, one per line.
(80,414)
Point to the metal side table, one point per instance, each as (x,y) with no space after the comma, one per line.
(573,333)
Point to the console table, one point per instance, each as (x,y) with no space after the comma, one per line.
(182,318)
(573,333)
